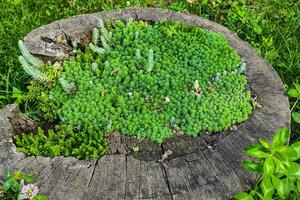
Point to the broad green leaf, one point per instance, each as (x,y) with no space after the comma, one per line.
(296,147)
(252,166)
(267,188)
(298,185)
(256,151)
(243,196)
(6,186)
(281,186)
(264,143)
(297,86)
(293,93)
(296,117)
(281,137)
(294,169)
(268,166)
(40,197)
(279,164)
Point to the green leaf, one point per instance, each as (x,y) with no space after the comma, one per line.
(40,197)
(264,143)
(279,164)
(6,186)
(281,137)
(243,196)
(252,166)
(296,147)
(267,188)
(297,86)
(293,93)
(298,185)
(268,166)
(294,169)
(288,153)
(296,117)
(256,151)
(281,186)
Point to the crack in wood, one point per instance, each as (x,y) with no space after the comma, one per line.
(92,174)
(165,175)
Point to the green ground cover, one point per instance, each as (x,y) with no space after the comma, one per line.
(203,88)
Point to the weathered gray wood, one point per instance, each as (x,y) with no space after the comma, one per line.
(206,167)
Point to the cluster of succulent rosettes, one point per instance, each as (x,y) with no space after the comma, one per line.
(150,81)
(143,84)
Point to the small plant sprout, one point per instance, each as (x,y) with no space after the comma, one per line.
(109,125)
(136,35)
(104,32)
(104,43)
(197,88)
(96,49)
(138,54)
(94,66)
(254,102)
(95,36)
(69,88)
(241,69)
(165,155)
(150,61)
(167,100)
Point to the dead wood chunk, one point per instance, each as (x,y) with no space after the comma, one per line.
(115,144)
(20,122)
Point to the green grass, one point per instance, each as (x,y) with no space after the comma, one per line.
(271,26)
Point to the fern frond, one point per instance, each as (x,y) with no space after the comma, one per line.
(150,61)
(96,49)
(32,71)
(27,55)
(95,36)
(67,87)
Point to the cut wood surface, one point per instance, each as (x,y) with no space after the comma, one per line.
(205,167)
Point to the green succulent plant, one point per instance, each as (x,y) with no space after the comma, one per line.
(142,80)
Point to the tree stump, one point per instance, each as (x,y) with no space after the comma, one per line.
(205,167)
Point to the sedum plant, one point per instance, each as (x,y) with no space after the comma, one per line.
(277,163)
(142,80)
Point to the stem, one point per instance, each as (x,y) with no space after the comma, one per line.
(294,105)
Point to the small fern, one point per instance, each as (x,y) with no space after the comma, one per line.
(150,61)
(32,71)
(26,54)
